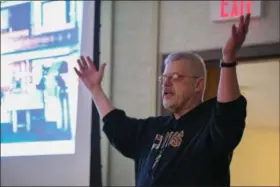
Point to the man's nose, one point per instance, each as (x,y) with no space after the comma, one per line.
(167,81)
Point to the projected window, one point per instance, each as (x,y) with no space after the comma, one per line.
(50,16)
(39,88)
(4,20)
(51,19)
(19,17)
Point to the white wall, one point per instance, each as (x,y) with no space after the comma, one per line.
(186,25)
(139,33)
(262,92)
(128,45)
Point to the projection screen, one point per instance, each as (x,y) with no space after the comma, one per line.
(45,112)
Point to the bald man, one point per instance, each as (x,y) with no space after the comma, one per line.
(194,145)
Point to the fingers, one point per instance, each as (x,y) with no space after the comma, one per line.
(241,21)
(90,63)
(102,69)
(87,64)
(247,19)
(244,23)
(81,66)
(234,31)
(84,62)
(247,23)
(78,72)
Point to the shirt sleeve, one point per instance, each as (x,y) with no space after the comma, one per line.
(124,133)
(228,124)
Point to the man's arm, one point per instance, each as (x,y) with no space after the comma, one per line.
(102,102)
(230,112)
(228,89)
(91,78)
(124,133)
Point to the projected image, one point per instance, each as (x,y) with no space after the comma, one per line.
(40,42)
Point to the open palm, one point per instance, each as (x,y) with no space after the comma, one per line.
(237,38)
(88,74)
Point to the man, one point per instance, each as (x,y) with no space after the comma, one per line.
(194,145)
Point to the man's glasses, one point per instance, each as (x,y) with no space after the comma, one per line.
(174,77)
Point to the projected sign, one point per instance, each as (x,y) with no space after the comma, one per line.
(40,42)
(233,9)
(43,41)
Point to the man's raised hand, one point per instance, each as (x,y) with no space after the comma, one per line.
(88,74)
(237,38)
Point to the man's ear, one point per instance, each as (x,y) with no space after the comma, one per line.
(199,84)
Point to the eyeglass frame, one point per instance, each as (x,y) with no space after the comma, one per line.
(175,76)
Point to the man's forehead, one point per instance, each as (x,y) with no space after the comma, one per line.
(178,65)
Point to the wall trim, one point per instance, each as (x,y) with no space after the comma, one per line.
(249,52)
(154,67)
(106,41)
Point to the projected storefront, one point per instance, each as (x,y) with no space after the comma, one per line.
(40,42)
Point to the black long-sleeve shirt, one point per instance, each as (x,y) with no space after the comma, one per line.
(195,150)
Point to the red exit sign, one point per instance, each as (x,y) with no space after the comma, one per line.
(232,9)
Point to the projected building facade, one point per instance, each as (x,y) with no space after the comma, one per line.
(40,42)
